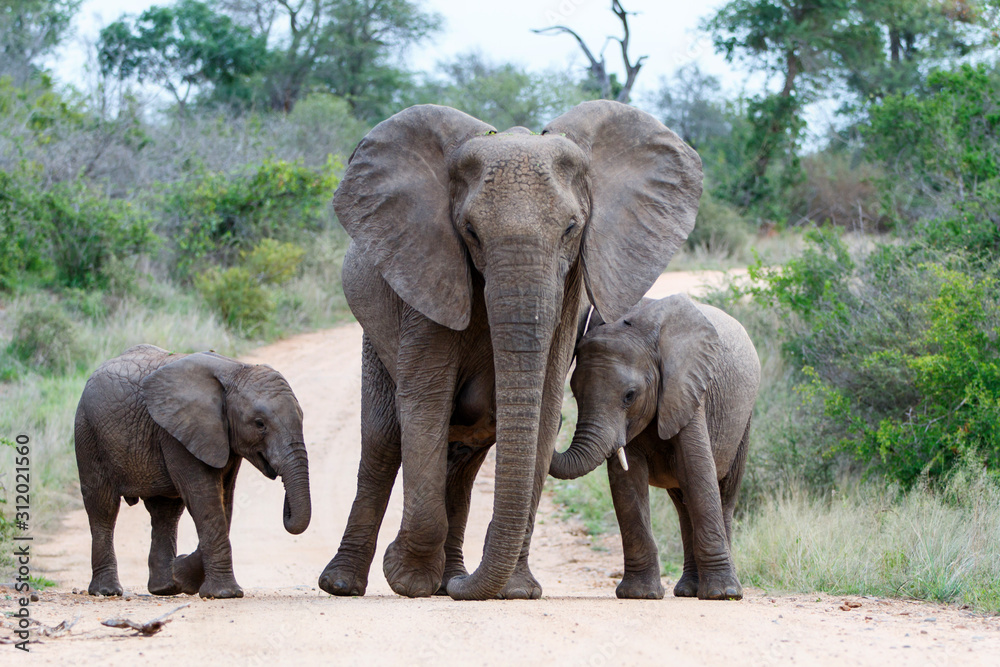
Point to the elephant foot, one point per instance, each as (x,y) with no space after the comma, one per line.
(105,584)
(687,585)
(410,576)
(339,578)
(723,586)
(161,585)
(522,585)
(189,573)
(641,585)
(449,574)
(220,590)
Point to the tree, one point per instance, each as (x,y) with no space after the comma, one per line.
(180,47)
(891,44)
(343,47)
(793,40)
(690,104)
(30,29)
(607,84)
(501,94)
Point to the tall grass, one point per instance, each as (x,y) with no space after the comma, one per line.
(871,540)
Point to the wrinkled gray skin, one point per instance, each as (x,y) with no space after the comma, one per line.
(471,253)
(677,381)
(172,429)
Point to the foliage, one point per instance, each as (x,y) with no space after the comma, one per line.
(947,142)
(719,228)
(180,46)
(30,29)
(67,234)
(690,104)
(242,294)
(900,349)
(220,214)
(501,94)
(44,337)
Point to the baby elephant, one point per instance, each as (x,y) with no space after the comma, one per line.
(172,429)
(676,382)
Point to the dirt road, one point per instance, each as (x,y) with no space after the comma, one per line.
(285,619)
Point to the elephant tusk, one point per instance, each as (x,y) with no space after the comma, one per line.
(622,459)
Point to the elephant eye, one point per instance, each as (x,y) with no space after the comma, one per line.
(260,423)
(629,398)
(569,230)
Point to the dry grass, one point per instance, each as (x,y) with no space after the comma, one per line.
(870,540)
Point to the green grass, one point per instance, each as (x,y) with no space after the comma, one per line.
(870,540)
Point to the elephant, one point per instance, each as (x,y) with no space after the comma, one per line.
(472,253)
(670,387)
(172,429)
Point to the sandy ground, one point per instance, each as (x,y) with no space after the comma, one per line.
(285,618)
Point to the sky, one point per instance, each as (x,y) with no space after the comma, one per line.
(664,30)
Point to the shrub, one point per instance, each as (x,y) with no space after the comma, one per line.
(243,294)
(222,214)
(245,303)
(273,262)
(719,228)
(68,234)
(44,337)
(837,191)
(899,351)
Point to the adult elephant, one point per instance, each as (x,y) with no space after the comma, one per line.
(470,253)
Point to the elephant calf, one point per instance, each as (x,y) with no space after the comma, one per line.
(172,429)
(670,388)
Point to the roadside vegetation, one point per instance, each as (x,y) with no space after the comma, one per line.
(181,197)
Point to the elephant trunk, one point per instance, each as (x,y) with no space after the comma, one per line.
(585,453)
(294,473)
(522,312)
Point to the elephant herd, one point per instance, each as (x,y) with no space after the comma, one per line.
(481,264)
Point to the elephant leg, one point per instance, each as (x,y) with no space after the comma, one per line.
(699,483)
(414,562)
(203,491)
(630,495)
(687,585)
(189,570)
(164,513)
(463,466)
(347,573)
(102,505)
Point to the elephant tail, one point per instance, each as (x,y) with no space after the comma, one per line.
(729,486)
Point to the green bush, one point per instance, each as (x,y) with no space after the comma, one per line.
(244,303)
(273,262)
(219,215)
(899,351)
(243,295)
(719,228)
(44,337)
(66,235)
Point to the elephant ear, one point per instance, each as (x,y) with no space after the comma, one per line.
(187,398)
(394,201)
(645,188)
(689,351)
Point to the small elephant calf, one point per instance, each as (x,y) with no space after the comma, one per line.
(172,429)
(670,388)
